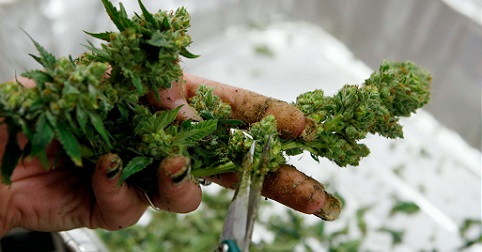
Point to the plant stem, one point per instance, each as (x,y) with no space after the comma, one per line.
(223,168)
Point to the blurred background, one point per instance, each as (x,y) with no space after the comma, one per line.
(421,193)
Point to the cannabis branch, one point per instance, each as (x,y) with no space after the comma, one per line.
(94,104)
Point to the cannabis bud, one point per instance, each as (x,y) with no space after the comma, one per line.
(94,104)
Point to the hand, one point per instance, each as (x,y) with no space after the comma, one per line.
(66,198)
(287,185)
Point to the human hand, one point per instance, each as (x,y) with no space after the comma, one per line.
(66,198)
(287,185)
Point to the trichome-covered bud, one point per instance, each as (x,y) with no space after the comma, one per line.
(404,86)
(208,105)
(397,89)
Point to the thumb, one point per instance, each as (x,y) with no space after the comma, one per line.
(172,98)
(117,206)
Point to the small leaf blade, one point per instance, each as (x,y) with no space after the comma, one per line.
(114,15)
(167,117)
(184,52)
(40,78)
(46,59)
(44,133)
(102,35)
(99,127)
(195,133)
(69,142)
(134,166)
(147,15)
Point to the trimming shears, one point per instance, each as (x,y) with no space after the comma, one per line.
(241,216)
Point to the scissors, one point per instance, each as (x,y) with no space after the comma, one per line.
(241,216)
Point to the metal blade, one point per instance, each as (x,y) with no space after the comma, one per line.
(255,194)
(236,219)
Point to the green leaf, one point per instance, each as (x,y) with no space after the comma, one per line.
(12,152)
(69,142)
(102,35)
(346,246)
(184,52)
(81,117)
(147,15)
(167,117)
(136,81)
(46,59)
(119,18)
(397,236)
(136,165)
(99,127)
(404,207)
(361,222)
(113,14)
(40,78)
(51,118)
(100,54)
(158,39)
(196,132)
(44,133)
(165,25)
(467,224)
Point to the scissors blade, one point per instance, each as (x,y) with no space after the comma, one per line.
(237,217)
(256,187)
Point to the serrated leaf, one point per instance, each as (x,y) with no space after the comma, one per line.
(81,117)
(40,78)
(165,25)
(123,12)
(123,111)
(135,79)
(113,14)
(167,117)
(147,15)
(134,166)
(51,118)
(99,127)
(195,133)
(138,84)
(100,55)
(12,153)
(231,122)
(69,142)
(46,59)
(155,92)
(101,35)
(44,133)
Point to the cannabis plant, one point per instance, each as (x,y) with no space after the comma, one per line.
(95,104)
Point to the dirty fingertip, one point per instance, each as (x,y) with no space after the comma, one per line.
(331,208)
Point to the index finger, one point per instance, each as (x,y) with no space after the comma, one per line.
(292,188)
(251,107)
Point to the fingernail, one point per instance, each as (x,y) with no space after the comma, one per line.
(331,209)
(183,173)
(115,167)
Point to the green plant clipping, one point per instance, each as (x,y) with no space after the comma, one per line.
(94,105)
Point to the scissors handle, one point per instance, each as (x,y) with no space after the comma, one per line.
(228,246)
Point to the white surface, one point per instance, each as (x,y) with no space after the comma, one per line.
(432,167)
(436,169)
